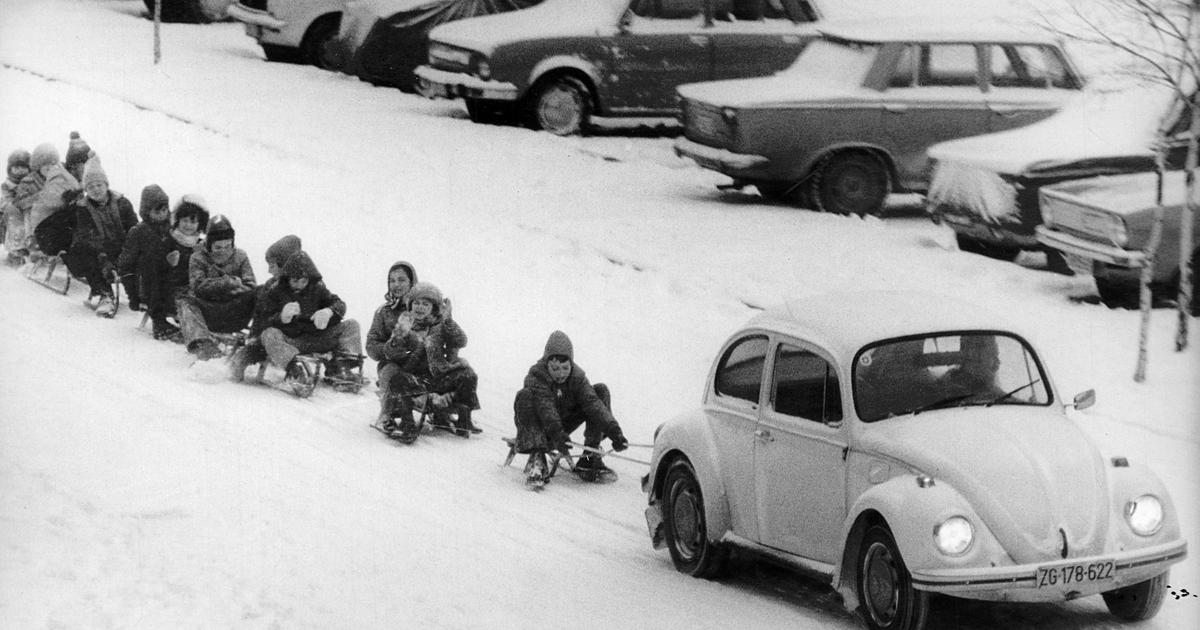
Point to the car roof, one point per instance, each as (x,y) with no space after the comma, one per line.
(914,30)
(843,322)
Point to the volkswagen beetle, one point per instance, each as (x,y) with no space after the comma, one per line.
(922,451)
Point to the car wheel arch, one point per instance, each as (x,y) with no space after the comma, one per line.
(562,65)
(708,474)
(331,20)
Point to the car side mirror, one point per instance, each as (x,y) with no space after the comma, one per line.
(1083,400)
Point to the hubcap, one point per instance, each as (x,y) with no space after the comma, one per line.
(560,110)
(686,516)
(882,584)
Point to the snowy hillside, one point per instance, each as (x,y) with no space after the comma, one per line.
(139,492)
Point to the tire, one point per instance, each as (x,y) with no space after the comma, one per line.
(887,599)
(486,112)
(180,11)
(1118,294)
(791,193)
(1138,601)
(315,48)
(686,529)
(983,248)
(851,182)
(560,105)
(280,54)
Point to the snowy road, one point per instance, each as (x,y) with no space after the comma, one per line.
(136,494)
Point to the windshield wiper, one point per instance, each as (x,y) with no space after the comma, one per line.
(1006,395)
(945,402)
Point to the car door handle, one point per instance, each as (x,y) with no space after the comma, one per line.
(763,436)
(895,108)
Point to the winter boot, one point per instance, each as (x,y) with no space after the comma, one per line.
(537,471)
(106,307)
(301,378)
(463,425)
(407,430)
(590,467)
(204,349)
(342,373)
(166,331)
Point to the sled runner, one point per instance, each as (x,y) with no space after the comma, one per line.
(41,270)
(425,414)
(538,474)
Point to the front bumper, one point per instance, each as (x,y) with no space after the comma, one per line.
(434,83)
(254,18)
(1091,250)
(721,160)
(1019,583)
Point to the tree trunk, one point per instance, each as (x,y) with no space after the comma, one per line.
(1151,251)
(1186,221)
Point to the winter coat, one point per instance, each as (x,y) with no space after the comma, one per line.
(574,397)
(311,299)
(58,190)
(431,346)
(380,343)
(214,282)
(279,252)
(101,226)
(177,277)
(145,251)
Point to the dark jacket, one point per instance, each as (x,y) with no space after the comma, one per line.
(381,345)
(101,226)
(574,397)
(214,282)
(145,251)
(313,298)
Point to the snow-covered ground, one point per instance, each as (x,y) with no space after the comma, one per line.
(137,492)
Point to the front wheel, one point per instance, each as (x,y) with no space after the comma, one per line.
(851,182)
(561,105)
(316,48)
(887,598)
(1138,601)
(686,528)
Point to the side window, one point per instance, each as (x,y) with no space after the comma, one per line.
(740,373)
(1028,66)
(949,65)
(906,69)
(805,386)
(668,9)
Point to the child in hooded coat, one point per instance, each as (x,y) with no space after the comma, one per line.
(47,189)
(220,297)
(385,341)
(142,264)
(305,316)
(10,213)
(102,218)
(252,351)
(425,341)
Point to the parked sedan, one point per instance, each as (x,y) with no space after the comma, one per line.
(850,120)
(557,64)
(985,188)
(927,451)
(1103,225)
(292,30)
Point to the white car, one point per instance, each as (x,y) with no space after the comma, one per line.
(902,444)
(292,30)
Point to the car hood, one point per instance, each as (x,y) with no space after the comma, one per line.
(550,19)
(1031,474)
(773,91)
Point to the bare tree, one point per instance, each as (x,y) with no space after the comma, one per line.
(1160,40)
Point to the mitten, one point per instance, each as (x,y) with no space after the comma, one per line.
(320,319)
(289,312)
(173,257)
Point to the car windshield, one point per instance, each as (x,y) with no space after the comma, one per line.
(913,375)
(833,61)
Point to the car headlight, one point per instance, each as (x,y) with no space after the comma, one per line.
(1145,515)
(483,69)
(954,536)
(449,55)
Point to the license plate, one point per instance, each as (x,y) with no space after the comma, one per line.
(1078,573)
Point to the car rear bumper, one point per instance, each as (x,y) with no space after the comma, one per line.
(1091,250)
(254,18)
(434,83)
(1020,582)
(722,160)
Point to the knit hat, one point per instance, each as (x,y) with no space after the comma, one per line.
(153,198)
(425,290)
(191,206)
(299,265)
(78,151)
(20,157)
(93,172)
(219,229)
(559,344)
(43,155)
(280,251)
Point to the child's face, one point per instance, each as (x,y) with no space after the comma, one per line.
(189,225)
(222,251)
(159,214)
(559,369)
(422,307)
(273,268)
(97,190)
(17,171)
(398,283)
(298,284)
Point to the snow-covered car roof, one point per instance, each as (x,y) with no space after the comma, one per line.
(844,322)
(551,18)
(1095,125)
(913,29)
